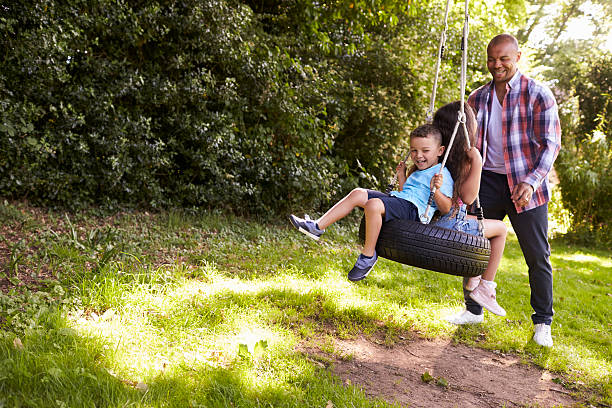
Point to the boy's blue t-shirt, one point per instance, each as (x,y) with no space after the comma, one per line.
(416,188)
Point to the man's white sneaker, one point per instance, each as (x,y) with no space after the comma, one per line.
(465,317)
(542,335)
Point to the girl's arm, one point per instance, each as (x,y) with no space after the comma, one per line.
(401,174)
(471,185)
(443,202)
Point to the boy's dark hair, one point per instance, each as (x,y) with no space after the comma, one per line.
(427,130)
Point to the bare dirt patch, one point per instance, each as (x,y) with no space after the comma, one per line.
(475,378)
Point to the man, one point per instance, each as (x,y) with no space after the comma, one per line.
(519,136)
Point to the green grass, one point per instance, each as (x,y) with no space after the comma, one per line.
(182,309)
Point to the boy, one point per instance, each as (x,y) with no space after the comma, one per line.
(407,203)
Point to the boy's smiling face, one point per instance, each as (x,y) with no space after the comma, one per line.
(425,151)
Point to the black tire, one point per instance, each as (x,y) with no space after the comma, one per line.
(430,247)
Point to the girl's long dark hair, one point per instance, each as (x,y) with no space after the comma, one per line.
(457,163)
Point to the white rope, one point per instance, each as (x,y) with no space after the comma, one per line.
(430,110)
(461,118)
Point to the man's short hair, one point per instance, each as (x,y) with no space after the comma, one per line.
(503,38)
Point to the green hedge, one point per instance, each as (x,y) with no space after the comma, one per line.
(197,103)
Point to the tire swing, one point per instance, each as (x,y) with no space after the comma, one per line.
(428,246)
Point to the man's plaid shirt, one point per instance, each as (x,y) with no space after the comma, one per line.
(531,133)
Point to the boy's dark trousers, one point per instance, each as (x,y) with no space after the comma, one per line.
(531,228)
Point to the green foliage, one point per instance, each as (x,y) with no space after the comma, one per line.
(585,162)
(253,106)
(595,97)
(579,71)
(194,103)
(585,173)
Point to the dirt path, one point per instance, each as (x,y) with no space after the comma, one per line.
(476,378)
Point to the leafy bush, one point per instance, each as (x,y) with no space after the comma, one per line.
(256,106)
(585,174)
(584,165)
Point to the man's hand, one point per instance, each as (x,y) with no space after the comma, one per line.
(522,194)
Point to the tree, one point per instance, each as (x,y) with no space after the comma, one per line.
(580,71)
(252,106)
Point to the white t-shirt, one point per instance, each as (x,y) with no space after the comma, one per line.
(494,158)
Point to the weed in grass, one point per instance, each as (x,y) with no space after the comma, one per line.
(16,255)
(171,309)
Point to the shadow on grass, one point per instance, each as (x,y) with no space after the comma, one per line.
(54,366)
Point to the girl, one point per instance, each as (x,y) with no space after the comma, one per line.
(465,166)
(408,202)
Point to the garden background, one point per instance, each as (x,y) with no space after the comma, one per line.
(149,146)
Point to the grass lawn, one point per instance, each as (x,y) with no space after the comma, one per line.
(185,310)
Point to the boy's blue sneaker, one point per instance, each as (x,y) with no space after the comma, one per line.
(306,226)
(362,267)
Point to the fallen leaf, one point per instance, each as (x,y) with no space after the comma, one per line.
(442,382)
(426,377)
(243,351)
(329,405)
(17,343)
(259,348)
(142,387)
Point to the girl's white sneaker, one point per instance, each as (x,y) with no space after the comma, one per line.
(485,296)
(465,317)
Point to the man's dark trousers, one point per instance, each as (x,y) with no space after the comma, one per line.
(531,228)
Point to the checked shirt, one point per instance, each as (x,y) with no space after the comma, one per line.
(531,133)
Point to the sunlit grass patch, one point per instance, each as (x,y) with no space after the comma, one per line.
(200,309)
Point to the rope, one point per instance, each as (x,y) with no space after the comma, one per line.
(461,119)
(432,102)
(430,110)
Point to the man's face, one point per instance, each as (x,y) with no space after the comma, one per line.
(501,61)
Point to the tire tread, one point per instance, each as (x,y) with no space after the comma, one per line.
(431,247)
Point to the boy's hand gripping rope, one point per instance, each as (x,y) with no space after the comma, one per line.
(460,119)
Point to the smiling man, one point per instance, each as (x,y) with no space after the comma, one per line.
(502,58)
(519,137)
